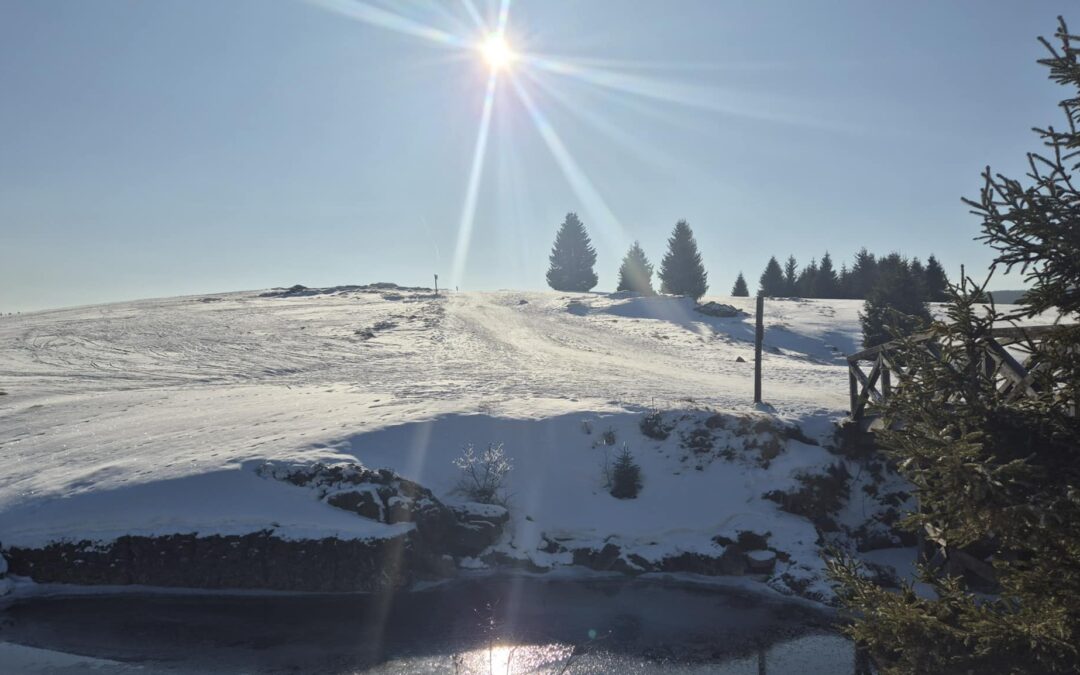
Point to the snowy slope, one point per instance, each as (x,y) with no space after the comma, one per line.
(149,417)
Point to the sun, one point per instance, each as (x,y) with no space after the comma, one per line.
(497,52)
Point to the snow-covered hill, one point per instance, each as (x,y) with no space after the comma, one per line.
(151,417)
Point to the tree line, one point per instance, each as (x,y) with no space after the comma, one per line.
(821,279)
(573,257)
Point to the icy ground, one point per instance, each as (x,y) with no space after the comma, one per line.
(150,417)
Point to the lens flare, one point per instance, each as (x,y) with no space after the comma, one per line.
(497,52)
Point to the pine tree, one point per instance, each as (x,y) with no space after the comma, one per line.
(806,284)
(892,306)
(791,277)
(572,258)
(625,476)
(845,282)
(863,274)
(826,283)
(937,284)
(636,272)
(681,270)
(772,283)
(918,277)
(990,468)
(739,290)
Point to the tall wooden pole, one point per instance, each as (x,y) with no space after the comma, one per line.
(759,335)
(436,284)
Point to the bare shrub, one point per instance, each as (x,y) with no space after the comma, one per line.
(483,476)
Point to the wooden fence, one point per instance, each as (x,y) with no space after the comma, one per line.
(1013,377)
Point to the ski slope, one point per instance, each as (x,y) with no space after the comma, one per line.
(149,417)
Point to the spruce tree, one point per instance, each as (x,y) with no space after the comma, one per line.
(636,272)
(572,258)
(739,290)
(806,284)
(991,469)
(772,282)
(681,270)
(918,276)
(845,282)
(893,305)
(827,284)
(937,284)
(791,277)
(863,274)
(625,476)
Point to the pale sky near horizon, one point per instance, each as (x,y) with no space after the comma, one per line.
(176,147)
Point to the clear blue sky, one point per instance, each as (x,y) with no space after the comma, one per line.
(190,146)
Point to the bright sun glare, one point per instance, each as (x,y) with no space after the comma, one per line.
(497,52)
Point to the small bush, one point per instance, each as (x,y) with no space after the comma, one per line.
(625,476)
(652,425)
(483,476)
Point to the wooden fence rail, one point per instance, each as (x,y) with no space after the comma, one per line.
(1012,377)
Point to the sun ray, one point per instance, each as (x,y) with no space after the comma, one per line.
(715,99)
(583,188)
(656,156)
(504,17)
(474,14)
(468,210)
(376,16)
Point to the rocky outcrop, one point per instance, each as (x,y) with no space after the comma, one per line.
(257,560)
(383,496)
(264,560)
(718,309)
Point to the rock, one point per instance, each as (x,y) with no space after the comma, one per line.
(471,538)
(718,309)
(399,510)
(760,562)
(730,562)
(258,560)
(739,359)
(577,308)
(603,560)
(441,567)
(473,511)
(364,503)
(749,540)
(733,561)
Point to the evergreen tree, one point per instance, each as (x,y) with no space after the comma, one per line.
(739,290)
(918,276)
(863,274)
(937,284)
(892,306)
(572,258)
(772,282)
(625,476)
(806,284)
(827,284)
(845,282)
(791,277)
(636,272)
(681,270)
(990,468)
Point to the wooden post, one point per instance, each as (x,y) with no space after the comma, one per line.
(853,386)
(436,284)
(759,335)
